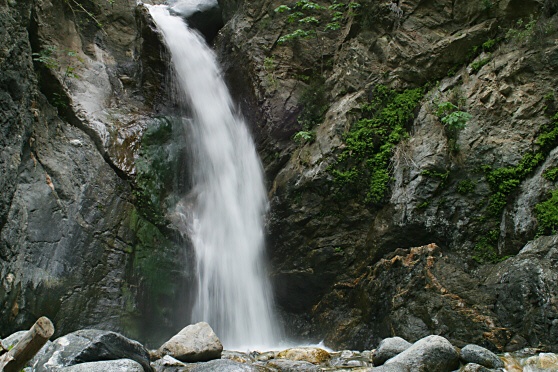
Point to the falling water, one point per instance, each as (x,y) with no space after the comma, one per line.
(227,217)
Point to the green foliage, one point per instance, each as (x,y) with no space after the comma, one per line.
(304,136)
(547,215)
(485,249)
(442,176)
(477,65)
(76,7)
(154,171)
(313,18)
(489,45)
(47,56)
(270,66)
(456,120)
(522,30)
(451,117)
(314,103)
(363,165)
(54,59)
(487,5)
(503,181)
(551,174)
(465,187)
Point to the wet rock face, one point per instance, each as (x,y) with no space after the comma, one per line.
(334,262)
(206,17)
(75,242)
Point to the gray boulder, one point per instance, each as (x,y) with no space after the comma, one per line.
(120,365)
(223,365)
(429,354)
(194,343)
(388,348)
(91,345)
(479,355)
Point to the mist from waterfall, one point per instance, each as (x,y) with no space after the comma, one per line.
(226,217)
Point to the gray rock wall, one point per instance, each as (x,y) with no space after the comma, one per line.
(80,239)
(321,247)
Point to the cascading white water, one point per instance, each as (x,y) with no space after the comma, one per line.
(234,295)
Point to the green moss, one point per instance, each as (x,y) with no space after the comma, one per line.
(314,104)
(154,283)
(477,65)
(485,249)
(155,170)
(503,181)
(551,174)
(465,187)
(547,215)
(362,168)
(442,176)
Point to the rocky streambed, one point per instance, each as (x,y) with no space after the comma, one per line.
(197,348)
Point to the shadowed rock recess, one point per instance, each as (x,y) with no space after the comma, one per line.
(409,149)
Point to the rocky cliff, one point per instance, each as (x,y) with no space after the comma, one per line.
(406,124)
(83,238)
(409,149)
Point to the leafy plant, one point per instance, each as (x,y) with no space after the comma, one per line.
(313,101)
(522,30)
(363,165)
(485,249)
(442,176)
(312,19)
(487,5)
(53,59)
(452,117)
(465,187)
(304,136)
(47,56)
(547,214)
(270,66)
(551,174)
(477,65)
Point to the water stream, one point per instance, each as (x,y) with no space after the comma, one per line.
(226,220)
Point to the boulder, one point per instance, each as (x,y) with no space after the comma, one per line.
(431,353)
(313,355)
(479,355)
(120,365)
(286,365)
(194,343)
(91,345)
(223,365)
(388,348)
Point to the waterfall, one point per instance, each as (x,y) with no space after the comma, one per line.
(226,227)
